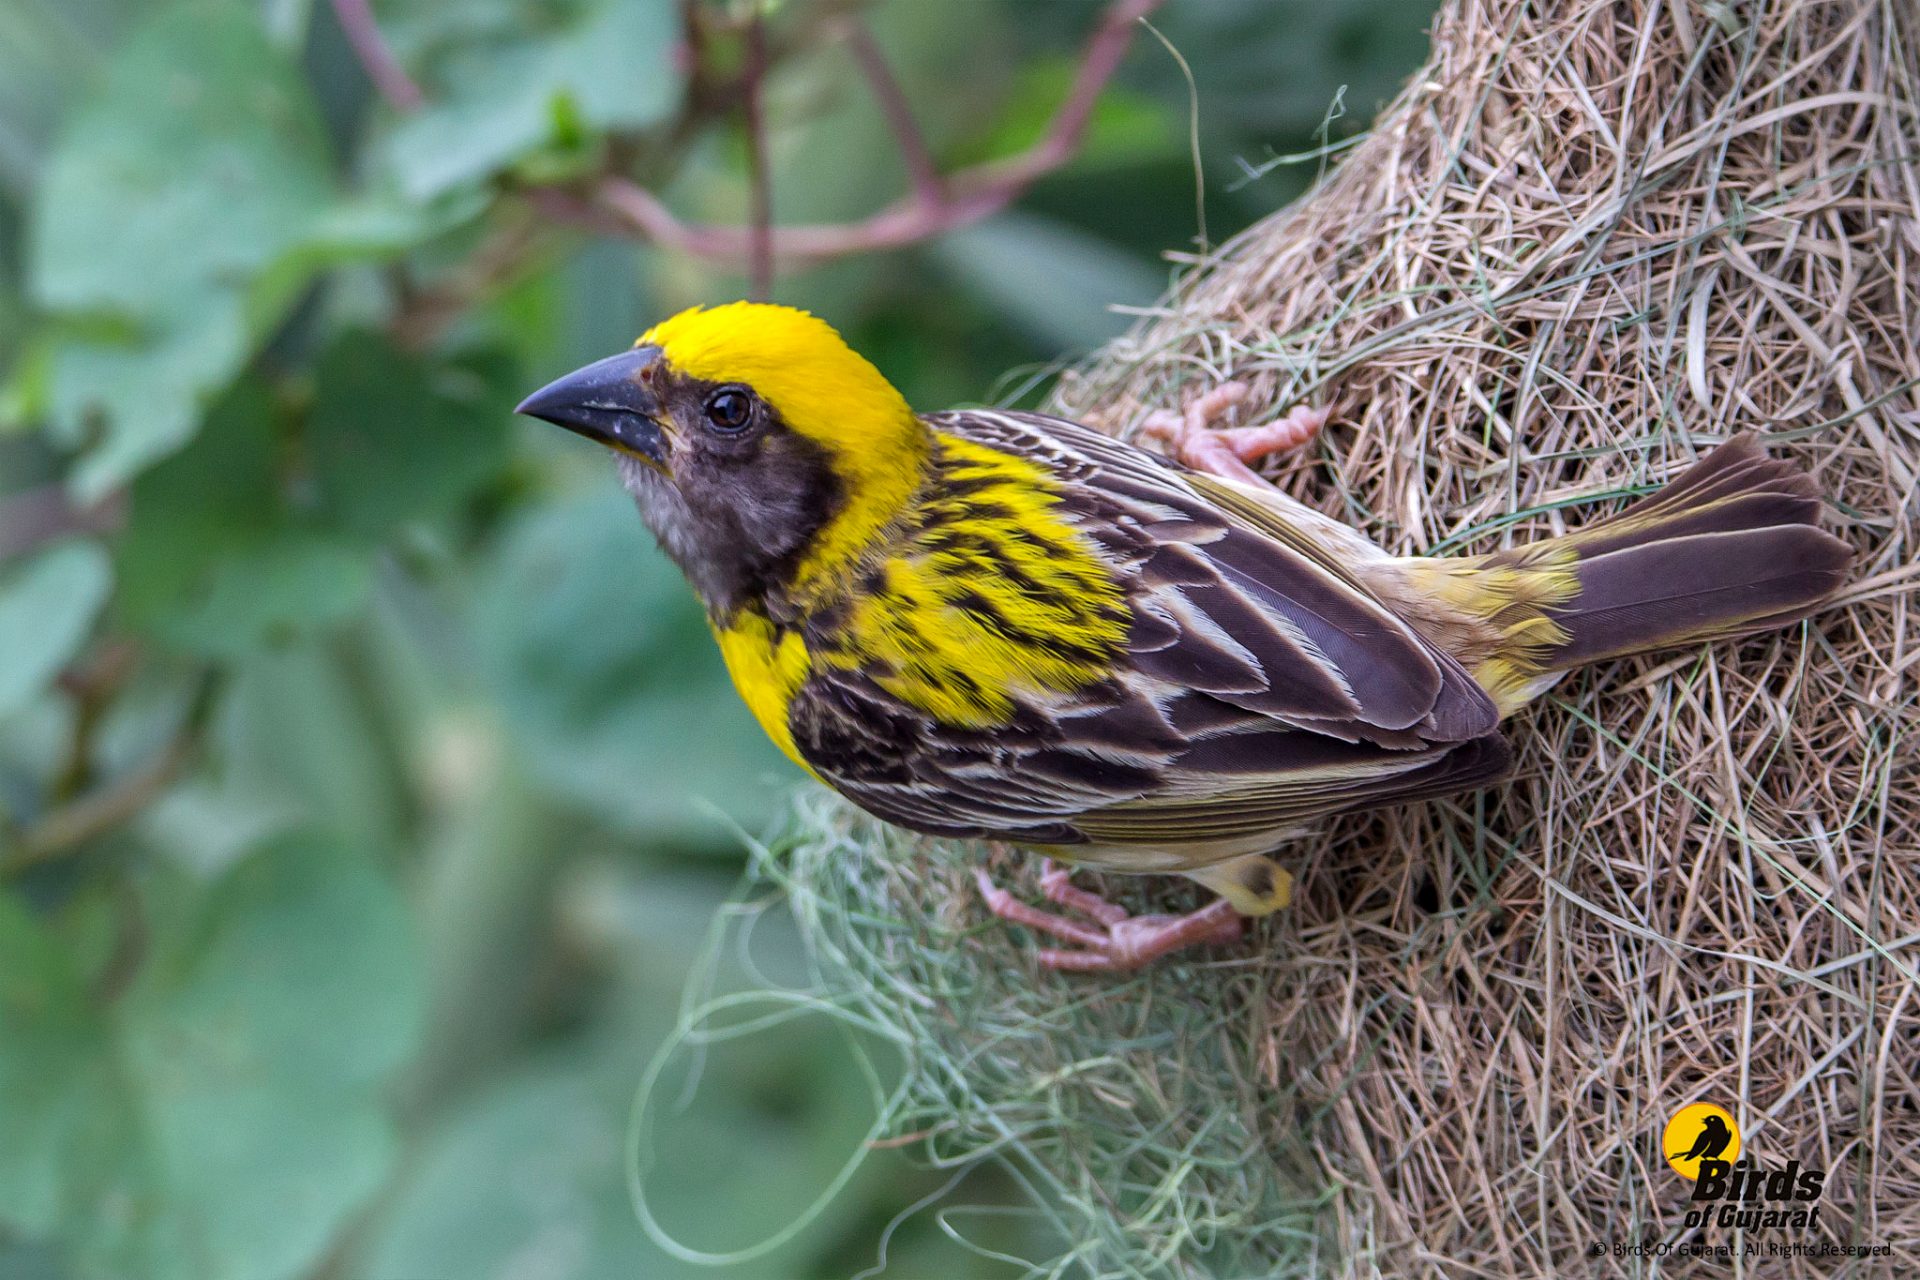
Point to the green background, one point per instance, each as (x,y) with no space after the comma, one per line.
(368,782)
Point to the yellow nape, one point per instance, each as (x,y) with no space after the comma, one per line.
(823,390)
(768,667)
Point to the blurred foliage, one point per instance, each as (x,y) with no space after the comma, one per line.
(367,780)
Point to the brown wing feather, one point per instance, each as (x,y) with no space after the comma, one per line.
(1234,811)
(1332,657)
(1262,685)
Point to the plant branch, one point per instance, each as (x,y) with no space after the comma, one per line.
(928,186)
(115,803)
(31,519)
(376,56)
(91,684)
(423,314)
(760,233)
(967,196)
(936,204)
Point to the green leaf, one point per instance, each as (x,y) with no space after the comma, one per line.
(47,607)
(61,1110)
(1270,69)
(602,661)
(221,1120)
(530,1169)
(206,131)
(49,51)
(149,391)
(24,386)
(393,438)
(286,21)
(198,163)
(255,595)
(1050,279)
(534,1165)
(335,771)
(1126,129)
(214,561)
(374,226)
(384,223)
(496,100)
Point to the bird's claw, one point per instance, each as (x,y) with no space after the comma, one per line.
(1192,438)
(1116,941)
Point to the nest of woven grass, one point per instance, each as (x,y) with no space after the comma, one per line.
(1585,244)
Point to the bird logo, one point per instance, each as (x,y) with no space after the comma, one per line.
(1699,1132)
(1713,1139)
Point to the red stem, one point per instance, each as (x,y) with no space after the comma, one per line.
(33,517)
(760,194)
(925,175)
(388,76)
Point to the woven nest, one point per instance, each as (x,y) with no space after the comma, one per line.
(1587,242)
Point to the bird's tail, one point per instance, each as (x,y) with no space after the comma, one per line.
(1728,549)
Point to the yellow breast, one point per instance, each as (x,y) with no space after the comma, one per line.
(768,667)
(991,594)
(988,594)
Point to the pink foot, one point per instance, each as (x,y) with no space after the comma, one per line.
(1116,941)
(1227,451)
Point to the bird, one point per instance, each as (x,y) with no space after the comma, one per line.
(1008,627)
(1712,1140)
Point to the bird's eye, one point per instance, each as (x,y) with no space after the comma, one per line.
(729,409)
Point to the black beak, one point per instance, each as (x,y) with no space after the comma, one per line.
(610,402)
